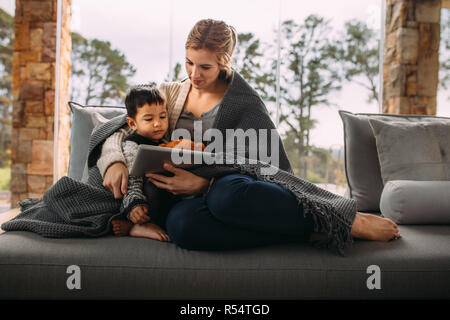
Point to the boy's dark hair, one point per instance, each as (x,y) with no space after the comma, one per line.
(137,96)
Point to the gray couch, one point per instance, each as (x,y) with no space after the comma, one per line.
(415,266)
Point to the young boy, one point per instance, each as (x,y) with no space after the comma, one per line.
(147,117)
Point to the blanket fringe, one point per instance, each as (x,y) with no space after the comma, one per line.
(326,221)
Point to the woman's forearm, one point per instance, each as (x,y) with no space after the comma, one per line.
(112,150)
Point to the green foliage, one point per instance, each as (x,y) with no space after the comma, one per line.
(327,166)
(6,39)
(290,143)
(313,177)
(444,52)
(176,74)
(99,72)
(248,59)
(358,53)
(312,66)
(6,58)
(5,178)
(309,76)
(323,166)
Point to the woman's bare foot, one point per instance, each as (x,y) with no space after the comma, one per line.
(373,227)
(149,230)
(121,227)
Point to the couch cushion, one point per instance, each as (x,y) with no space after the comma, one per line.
(415,266)
(84,120)
(416,202)
(361,158)
(413,151)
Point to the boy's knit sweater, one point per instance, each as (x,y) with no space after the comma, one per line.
(135,194)
(110,152)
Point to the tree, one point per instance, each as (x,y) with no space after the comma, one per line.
(359,56)
(248,60)
(77,71)
(444,51)
(6,58)
(176,74)
(99,72)
(290,143)
(309,75)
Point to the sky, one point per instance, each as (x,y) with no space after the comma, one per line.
(141,29)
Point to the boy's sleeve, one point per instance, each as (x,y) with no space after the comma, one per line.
(135,194)
(112,149)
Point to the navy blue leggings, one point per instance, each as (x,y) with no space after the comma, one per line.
(238,212)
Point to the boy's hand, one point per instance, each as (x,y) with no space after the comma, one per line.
(138,214)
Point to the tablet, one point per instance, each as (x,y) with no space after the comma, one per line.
(152,158)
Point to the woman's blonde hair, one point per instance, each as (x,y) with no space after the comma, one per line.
(216,36)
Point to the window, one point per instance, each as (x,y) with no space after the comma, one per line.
(150,37)
(443,96)
(6,47)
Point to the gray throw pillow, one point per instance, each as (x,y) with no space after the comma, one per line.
(361,158)
(84,120)
(416,202)
(413,151)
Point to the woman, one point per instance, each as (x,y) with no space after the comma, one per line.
(236,211)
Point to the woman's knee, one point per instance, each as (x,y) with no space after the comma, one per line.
(227,193)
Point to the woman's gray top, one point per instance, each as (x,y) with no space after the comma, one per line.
(187,119)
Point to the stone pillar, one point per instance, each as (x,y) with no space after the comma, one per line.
(411,56)
(34,80)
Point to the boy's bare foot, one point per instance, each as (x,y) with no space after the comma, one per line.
(373,227)
(149,230)
(121,227)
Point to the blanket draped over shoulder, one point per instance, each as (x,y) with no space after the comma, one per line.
(71,208)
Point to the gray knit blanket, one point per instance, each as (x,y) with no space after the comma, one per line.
(71,208)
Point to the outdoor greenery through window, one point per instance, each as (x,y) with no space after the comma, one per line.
(327,52)
(6,58)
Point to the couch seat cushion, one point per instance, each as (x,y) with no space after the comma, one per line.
(415,266)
